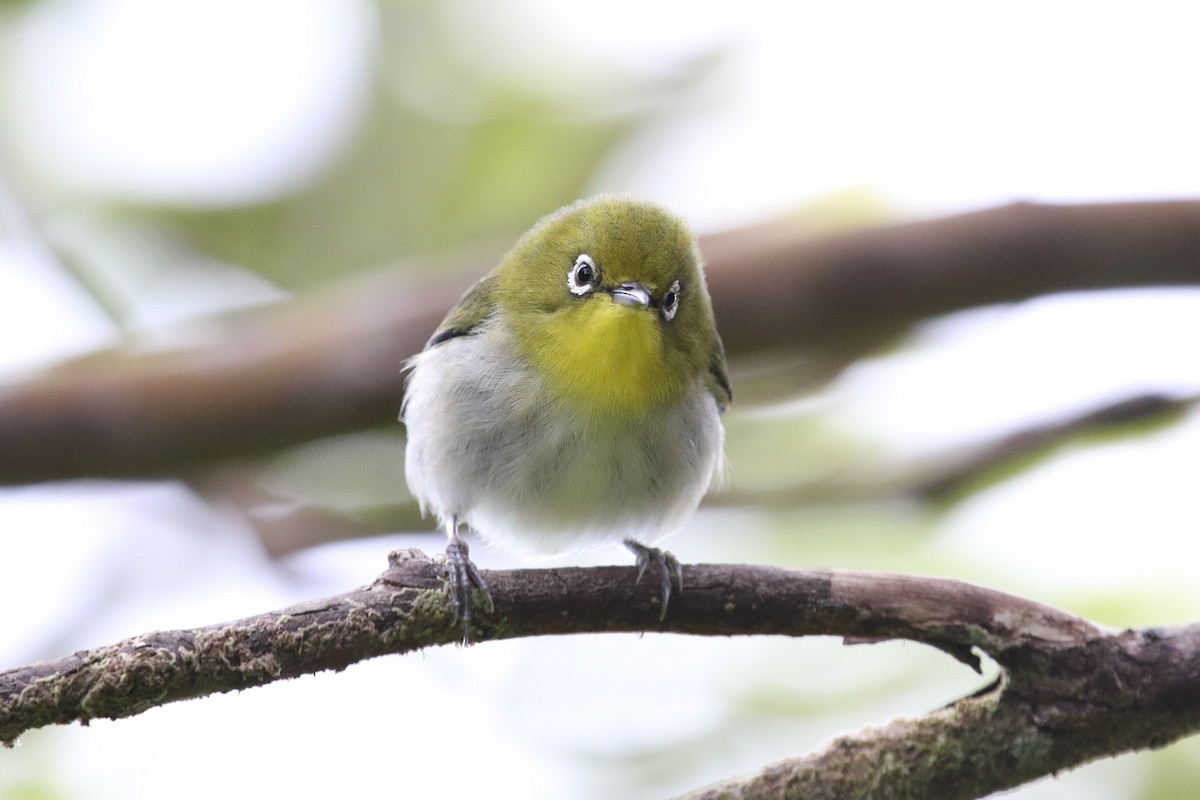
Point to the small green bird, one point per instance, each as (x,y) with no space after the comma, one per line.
(573,395)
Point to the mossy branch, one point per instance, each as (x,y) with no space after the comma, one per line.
(1071,691)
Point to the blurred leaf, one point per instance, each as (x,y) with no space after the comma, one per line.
(448,155)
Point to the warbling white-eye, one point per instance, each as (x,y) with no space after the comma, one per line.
(573,395)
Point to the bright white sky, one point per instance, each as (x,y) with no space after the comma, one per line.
(933,105)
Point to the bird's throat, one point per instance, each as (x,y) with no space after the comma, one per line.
(605,359)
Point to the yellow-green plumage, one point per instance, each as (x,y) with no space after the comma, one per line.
(605,383)
(573,394)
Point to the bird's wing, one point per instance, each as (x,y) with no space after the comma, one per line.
(718,378)
(475,306)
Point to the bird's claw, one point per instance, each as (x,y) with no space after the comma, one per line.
(668,568)
(463,576)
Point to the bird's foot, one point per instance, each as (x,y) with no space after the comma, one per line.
(668,568)
(463,576)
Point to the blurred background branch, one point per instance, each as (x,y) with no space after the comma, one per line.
(330,363)
(795,309)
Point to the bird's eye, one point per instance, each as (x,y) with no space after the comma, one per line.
(584,276)
(670,302)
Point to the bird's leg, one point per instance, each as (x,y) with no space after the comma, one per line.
(463,576)
(668,568)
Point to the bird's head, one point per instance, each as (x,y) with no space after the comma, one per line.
(606,299)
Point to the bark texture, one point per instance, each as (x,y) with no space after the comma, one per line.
(1071,691)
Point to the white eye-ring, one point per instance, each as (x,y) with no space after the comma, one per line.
(670,302)
(584,276)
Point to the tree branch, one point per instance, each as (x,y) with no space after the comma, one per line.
(973,463)
(328,364)
(1071,692)
(940,475)
(1062,704)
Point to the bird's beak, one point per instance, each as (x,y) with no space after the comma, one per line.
(631,294)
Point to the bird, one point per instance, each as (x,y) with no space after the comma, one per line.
(573,395)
